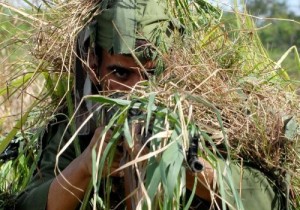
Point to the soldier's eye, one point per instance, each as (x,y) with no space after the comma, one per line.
(121,73)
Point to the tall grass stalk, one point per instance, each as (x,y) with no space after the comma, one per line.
(219,83)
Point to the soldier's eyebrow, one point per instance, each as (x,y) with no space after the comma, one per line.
(118,67)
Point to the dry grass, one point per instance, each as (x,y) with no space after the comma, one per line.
(228,71)
(253,106)
(37,51)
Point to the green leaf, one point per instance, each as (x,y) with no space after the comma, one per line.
(117,119)
(174,169)
(153,178)
(4,143)
(291,129)
(221,185)
(192,195)
(150,107)
(171,163)
(127,134)
(94,169)
(168,155)
(113,101)
(15,84)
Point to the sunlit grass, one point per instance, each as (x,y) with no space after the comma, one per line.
(219,83)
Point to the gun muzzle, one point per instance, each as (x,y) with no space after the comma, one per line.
(193,161)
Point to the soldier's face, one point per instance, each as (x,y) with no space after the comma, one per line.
(121,72)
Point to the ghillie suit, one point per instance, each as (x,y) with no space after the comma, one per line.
(224,89)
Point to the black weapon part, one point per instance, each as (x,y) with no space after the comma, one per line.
(11,152)
(134,112)
(192,158)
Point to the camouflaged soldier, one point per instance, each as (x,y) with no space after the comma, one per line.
(122,33)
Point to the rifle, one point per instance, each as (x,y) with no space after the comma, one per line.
(11,152)
(130,176)
(192,155)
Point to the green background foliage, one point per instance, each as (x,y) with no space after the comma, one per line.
(280,30)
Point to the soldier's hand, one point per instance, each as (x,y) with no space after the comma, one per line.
(99,143)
